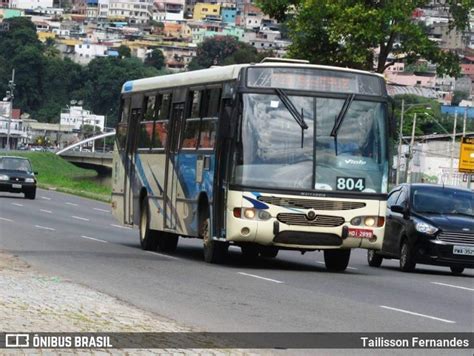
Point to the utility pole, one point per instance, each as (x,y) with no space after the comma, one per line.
(469,175)
(10,96)
(400,141)
(410,151)
(105,128)
(451,178)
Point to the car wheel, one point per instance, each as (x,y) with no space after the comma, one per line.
(168,242)
(407,257)
(269,251)
(336,260)
(373,259)
(214,251)
(148,237)
(31,194)
(456,269)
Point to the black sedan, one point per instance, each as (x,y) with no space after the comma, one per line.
(17,176)
(428,224)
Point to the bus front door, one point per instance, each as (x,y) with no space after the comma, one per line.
(171,180)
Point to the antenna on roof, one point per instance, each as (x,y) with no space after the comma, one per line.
(284,60)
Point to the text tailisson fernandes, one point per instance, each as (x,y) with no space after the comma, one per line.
(414,342)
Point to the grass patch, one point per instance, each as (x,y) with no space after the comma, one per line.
(57,173)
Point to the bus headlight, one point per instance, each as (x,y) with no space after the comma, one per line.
(251,214)
(368,221)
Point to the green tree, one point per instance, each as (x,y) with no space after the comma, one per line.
(345,32)
(459,96)
(124,51)
(104,78)
(223,50)
(155,59)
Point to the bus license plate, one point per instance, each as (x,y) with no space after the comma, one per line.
(360,233)
(16,186)
(463,250)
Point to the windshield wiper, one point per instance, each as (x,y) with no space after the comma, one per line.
(340,118)
(299,117)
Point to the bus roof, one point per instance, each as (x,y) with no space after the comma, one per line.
(216,74)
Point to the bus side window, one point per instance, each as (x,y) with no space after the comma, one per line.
(193,121)
(208,133)
(160,131)
(213,102)
(122,127)
(146,125)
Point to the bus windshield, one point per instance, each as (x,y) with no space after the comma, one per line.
(274,151)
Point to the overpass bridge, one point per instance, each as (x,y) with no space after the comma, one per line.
(99,161)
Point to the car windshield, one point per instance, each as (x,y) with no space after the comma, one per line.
(277,151)
(434,200)
(15,164)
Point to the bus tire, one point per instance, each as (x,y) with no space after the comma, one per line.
(250,252)
(373,259)
(148,237)
(168,242)
(456,270)
(407,257)
(269,251)
(336,260)
(214,251)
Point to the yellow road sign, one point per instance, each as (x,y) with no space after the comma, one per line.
(466,157)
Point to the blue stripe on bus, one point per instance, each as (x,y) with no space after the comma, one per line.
(256,204)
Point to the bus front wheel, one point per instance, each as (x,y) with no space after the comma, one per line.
(214,251)
(168,242)
(336,260)
(148,237)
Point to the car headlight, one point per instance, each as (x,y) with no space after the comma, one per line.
(29,180)
(4,177)
(425,228)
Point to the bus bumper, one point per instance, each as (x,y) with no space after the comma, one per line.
(292,235)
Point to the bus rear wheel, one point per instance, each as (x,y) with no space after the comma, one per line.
(148,237)
(336,260)
(168,242)
(214,251)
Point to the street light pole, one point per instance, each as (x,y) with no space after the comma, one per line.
(410,151)
(11,86)
(451,178)
(400,139)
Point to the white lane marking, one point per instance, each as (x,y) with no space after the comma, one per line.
(453,286)
(45,228)
(17,204)
(5,219)
(160,254)
(418,314)
(103,210)
(259,277)
(121,227)
(348,267)
(72,204)
(94,239)
(79,218)
(45,198)
(46,211)
(321,262)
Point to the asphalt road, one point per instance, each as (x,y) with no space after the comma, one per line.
(78,239)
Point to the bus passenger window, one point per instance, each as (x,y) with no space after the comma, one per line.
(191,134)
(160,134)
(165,104)
(213,102)
(122,126)
(194,103)
(208,134)
(150,108)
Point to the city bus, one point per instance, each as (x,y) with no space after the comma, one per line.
(278,155)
